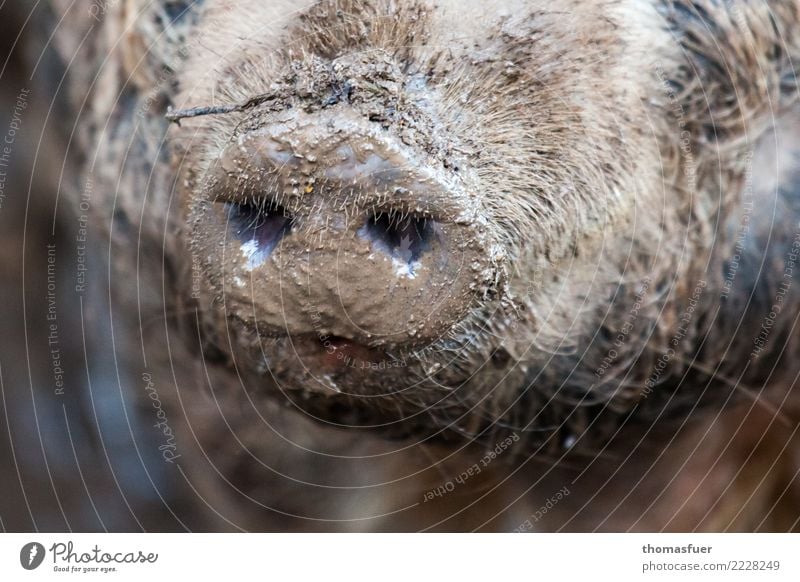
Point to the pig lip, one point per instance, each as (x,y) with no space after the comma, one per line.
(337,354)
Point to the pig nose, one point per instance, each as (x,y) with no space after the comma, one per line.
(329,225)
(403,238)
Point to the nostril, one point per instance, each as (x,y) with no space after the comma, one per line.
(259,228)
(404,238)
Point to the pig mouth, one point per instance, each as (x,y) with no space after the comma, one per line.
(336,366)
(337,354)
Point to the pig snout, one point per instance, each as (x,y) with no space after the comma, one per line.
(328,225)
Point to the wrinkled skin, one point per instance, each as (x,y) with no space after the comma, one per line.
(372,239)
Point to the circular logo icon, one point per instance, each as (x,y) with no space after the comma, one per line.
(31,555)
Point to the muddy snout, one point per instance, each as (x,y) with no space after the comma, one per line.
(326,225)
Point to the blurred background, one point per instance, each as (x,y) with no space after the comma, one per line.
(69,458)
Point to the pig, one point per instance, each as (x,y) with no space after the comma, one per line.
(382,262)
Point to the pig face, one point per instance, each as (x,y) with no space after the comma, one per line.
(371,203)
